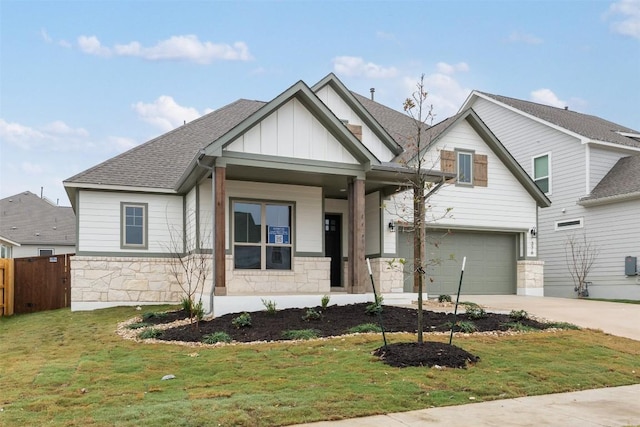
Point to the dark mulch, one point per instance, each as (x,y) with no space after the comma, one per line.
(337,320)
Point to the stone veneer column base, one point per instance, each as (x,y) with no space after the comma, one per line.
(530,278)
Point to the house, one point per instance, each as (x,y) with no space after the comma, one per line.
(33,226)
(590,169)
(288,198)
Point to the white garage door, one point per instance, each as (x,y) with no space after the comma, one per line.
(490,268)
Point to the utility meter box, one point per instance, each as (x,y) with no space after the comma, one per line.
(630,266)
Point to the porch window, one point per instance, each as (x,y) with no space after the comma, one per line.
(262,236)
(542,172)
(134,226)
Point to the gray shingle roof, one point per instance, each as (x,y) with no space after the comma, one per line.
(29,220)
(161,162)
(591,127)
(622,179)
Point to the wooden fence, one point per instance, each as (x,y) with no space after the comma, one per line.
(6,287)
(41,283)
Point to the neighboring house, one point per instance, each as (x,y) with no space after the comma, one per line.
(289,197)
(33,226)
(590,169)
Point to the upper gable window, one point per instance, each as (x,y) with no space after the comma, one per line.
(134,225)
(470,168)
(542,172)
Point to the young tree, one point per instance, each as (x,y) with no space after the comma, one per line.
(580,256)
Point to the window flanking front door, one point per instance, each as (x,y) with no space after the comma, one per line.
(333,246)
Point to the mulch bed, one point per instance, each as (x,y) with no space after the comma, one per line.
(337,320)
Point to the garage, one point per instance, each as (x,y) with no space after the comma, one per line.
(490,268)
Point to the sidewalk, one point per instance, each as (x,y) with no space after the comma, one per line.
(615,406)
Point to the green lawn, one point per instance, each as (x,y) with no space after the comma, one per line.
(64,368)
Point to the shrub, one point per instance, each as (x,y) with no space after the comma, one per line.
(216,337)
(270,306)
(475,312)
(444,298)
(519,327)
(375,307)
(311,314)
(466,327)
(138,325)
(324,302)
(242,321)
(519,315)
(562,325)
(153,315)
(300,334)
(364,328)
(149,333)
(195,310)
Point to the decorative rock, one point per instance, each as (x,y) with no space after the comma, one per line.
(168,377)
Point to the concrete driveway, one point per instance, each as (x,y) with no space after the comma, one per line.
(613,318)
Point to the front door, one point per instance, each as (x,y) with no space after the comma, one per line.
(333,246)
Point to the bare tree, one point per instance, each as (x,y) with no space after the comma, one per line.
(580,255)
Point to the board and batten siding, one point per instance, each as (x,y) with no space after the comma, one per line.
(502,205)
(292,131)
(342,111)
(99,222)
(308,221)
(206,213)
(372,223)
(190,218)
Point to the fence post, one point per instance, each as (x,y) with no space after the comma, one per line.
(6,287)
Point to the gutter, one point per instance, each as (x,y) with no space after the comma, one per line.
(609,199)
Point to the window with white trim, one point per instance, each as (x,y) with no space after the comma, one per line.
(465,167)
(569,224)
(45,252)
(262,235)
(542,172)
(134,225)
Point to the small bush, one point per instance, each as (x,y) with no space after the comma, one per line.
(475,312)
(311,314)
(562,325)
(324,302)
(444,298)
(153,315)
(149,333)
(242,321)
(466,327)
(519,327)
(216,337)
(364,328)
(300,334)
(375,307)
(138,325)
(519,315)
(195,310)
(270,306)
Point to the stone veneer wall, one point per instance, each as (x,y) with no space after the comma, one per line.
(530,278)
(387,275)
(309,275)
(121,280)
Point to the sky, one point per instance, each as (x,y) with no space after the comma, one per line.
(83,81)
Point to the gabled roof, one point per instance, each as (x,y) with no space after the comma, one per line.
(622,182)
(588,127)
(29,220)
(161,162)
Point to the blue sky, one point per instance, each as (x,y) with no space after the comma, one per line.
(82,81)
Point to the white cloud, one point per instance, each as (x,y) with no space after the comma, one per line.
(175,48)
(627,17)
(31,168)
(22,136)
(60,128)
(518,37)
(45,36)
(55,136)
(445,68)
(547,97)
(354,66)
(121,144)
(382,35)
(165,113)
(65,44)
(445,93)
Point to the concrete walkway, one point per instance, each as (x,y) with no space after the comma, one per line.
(615,406)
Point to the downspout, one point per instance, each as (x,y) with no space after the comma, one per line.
(213,227)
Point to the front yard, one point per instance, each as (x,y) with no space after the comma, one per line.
(63,368)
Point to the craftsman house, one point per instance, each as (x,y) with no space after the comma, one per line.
(288,198)
(590,169)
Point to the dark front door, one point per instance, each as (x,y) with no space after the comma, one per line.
(333,246)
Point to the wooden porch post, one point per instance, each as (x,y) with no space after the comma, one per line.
(219,221)
(356,267)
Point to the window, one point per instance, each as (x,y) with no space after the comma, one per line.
(5,251)
(262,236)
(542,172)
(134,225)
(465,168)
(569,224)
(45,252)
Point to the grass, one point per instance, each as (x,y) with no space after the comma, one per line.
(70,369)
